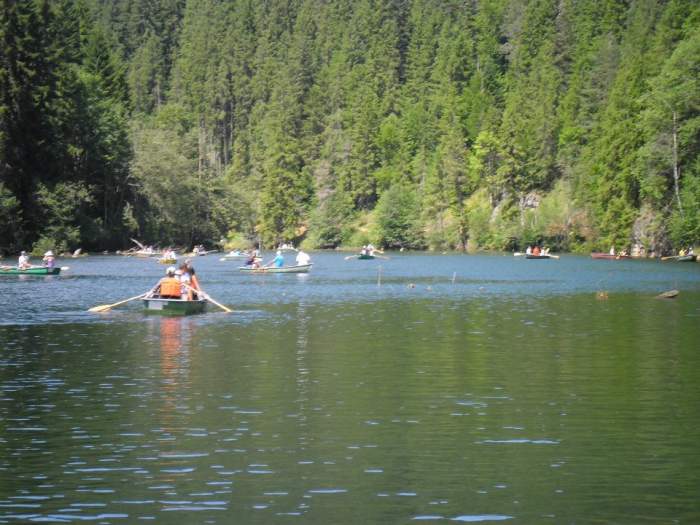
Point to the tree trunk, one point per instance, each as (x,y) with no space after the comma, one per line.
(676,169)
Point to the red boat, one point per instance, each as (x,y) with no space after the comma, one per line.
(603,255)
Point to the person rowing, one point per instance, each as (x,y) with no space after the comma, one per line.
(253,260)
(277,262)
(169,287)
(49,260)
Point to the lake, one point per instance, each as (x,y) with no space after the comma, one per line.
(423,387)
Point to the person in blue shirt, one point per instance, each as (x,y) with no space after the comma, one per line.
(278,261)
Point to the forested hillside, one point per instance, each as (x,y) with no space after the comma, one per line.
(409,123)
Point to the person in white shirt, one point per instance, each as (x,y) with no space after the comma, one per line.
(23,261)
(303,258)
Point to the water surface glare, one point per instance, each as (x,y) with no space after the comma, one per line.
(430,388)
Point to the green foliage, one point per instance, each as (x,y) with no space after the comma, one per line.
(65,215)
(397,227)
(10,220)
(189,119)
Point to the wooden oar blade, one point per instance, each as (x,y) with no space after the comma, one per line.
(100,308)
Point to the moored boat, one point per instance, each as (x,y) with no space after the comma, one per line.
(300,268)
(687,258)
(168,260)
(604,255)
(34,270)
(174,306)
(235,255)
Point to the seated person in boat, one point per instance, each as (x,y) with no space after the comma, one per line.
(23,261)
(364,251)
(194,284)
(528,250)
(536,251)
(169,286)
(49,260)
(303,258)
(278,261)
(253,260)
(188,280)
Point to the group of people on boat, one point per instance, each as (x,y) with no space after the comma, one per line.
(169,253)
(369,249)
(49,261)
(255,260)
(536,251)
(178,283)
(683,252)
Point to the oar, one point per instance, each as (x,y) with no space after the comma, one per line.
(208,298)
(351,257)
(669,257)
(105,307)
(65,268)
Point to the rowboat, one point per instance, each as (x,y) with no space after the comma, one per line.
(365,256)
(300,268)
(167,261)
(174,306)
(531,256)
(603,255)
(681,258)
(233,256)
(34,270)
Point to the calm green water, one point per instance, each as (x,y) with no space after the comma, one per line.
(462,388)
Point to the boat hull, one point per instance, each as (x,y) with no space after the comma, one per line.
(365,257)
(530,256)
(302,268)
(30,271)
(174,306)
(687,258)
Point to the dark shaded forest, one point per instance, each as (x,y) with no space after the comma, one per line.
(411,124)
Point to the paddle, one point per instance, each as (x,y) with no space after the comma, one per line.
(105,307)
(351,257)
(208,298)
(669,257)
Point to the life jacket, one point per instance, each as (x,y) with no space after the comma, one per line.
(169,287)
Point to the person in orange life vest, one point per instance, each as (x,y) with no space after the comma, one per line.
(169,286)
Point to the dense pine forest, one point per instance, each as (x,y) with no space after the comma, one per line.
(438,124)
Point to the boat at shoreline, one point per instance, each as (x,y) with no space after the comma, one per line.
(234,256)
(299,268)
(160,305)
(34,270)
(691,257)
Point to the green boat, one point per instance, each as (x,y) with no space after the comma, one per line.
(158,305)
(687,258)
(299,268)
(34,270)
(365,256)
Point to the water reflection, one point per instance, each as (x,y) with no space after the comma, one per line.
(475,408)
